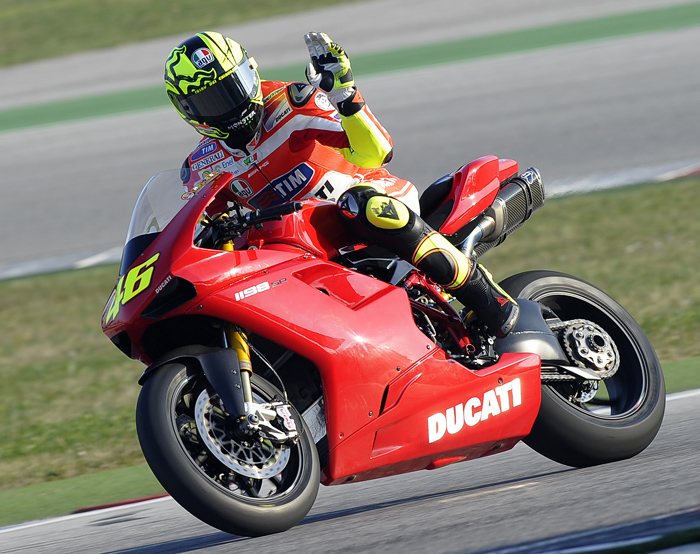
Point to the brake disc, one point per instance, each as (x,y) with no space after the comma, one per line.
(256,458)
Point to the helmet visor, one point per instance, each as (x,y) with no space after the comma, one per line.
(217,102)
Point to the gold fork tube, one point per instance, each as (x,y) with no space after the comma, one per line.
(237,341)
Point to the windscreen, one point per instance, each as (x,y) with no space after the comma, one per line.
(160,200)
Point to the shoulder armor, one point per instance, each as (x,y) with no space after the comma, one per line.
(299,93)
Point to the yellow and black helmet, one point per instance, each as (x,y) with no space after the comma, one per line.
(215,87)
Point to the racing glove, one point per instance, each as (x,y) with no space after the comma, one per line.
(329,71)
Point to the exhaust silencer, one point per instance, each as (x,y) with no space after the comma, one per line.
(519,198)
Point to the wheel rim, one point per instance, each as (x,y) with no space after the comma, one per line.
(620,394)
(251,473)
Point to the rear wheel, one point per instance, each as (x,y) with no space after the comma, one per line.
(584,423)
(241,486)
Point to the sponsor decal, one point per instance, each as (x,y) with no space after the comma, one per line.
(323,102)
(252,159)
(227,163)
(202,58)
(207,177)
(257,289)
(475,410)
(243,122)
(209,160)
(282,111)
(241,188)
(163,284)
(286,415)
(204,150)
(325,191)
(129,286)
(272,94)
(284,188)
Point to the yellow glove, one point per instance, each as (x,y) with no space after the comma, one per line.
(329,69)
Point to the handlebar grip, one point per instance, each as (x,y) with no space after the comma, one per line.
(284,209)
(274,213)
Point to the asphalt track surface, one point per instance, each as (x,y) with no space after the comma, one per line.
(515,502)
(584,112)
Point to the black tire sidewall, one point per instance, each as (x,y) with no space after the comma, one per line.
(178,474)
(569,435)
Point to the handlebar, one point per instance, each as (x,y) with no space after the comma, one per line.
(225,229)
(276,212)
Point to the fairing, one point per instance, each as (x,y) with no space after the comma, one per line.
(383,379)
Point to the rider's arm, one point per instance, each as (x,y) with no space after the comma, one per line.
(330,72)
(370,144)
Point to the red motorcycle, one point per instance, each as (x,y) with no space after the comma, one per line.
(281,352)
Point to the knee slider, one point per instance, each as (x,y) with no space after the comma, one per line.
(353,201)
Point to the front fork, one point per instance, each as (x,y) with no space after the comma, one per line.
(272,421)
(236,339)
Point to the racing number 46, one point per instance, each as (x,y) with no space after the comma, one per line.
(137,280)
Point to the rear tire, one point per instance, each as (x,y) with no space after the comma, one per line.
(198,480)
(624,417)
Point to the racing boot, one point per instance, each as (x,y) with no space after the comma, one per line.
(488,302)
(386,221)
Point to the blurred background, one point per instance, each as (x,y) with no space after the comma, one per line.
(601,96)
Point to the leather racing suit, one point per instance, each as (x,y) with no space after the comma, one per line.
(303,150)
(306,149)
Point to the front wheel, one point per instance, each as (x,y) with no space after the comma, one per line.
(244,487)
(585,423)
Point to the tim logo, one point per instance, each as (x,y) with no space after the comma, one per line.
(284,188)
(203,151)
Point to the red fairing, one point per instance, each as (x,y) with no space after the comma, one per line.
(314,228)
(474,188)
(437,412)
(394,401)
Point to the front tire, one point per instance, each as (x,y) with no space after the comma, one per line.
(262,489)
(624,415)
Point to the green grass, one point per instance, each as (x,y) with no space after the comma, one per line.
(68,414)
(57,498)
(39,29)
(73,393)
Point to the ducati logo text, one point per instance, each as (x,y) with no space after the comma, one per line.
(495,401)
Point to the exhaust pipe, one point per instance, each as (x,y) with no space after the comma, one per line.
(517,200)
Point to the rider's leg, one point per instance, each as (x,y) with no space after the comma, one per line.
(389,223)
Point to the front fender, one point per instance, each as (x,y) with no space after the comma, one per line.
(219,365)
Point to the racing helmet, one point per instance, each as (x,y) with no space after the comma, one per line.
(215,87)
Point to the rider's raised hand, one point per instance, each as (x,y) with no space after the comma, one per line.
(329,69)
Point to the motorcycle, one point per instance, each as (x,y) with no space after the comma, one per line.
(283,353)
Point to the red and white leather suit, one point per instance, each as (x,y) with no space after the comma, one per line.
(304,149)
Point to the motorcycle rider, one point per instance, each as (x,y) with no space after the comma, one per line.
(294,141)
